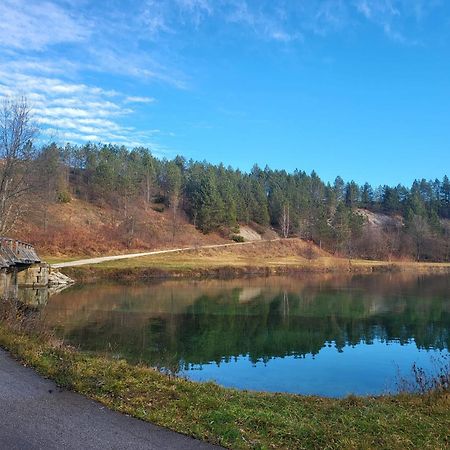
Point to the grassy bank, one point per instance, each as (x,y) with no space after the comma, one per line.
(238,419)
(291,256)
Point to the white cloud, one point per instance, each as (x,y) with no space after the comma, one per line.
(379,10)
(136,65)
(159,17)
(324,17)
(48,46)
(198,10)
(269,25)
(364,8)
(106,42)
(284,21)
(76,112)
(35,25)
(169,17)
(391,15)
(134,99)
(153,16)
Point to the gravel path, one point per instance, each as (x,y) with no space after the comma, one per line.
(82,262)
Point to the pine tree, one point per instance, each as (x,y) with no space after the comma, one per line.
(367,196)
(351,195)
(444,208)
(339,189)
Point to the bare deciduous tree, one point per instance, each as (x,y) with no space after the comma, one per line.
(16,151)
(285,221)
(420,233)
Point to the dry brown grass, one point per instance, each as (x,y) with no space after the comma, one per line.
(82,229)
(262,258)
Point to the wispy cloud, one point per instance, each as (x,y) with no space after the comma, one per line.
(32,64)
(280,21)
(284,21)
(74,111)
(65,55)
(133,64)
(198,10)
(269,25)
(392,15)
(43,25)
(38,24)
(132,99)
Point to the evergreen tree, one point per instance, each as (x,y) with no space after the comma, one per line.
(339,189)
(367,197)
(351,195)
(341,226)
(444,196)
(213,196)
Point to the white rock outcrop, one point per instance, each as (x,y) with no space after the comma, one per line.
(56,278)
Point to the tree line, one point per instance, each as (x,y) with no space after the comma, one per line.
(414,221)
(215,197)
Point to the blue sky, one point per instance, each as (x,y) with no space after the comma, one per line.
(359,88)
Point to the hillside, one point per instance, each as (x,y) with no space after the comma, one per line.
(104,198)
(80,228)
(95,200)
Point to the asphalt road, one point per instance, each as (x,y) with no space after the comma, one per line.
(36,414)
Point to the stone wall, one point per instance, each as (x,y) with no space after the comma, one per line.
(8,284)
(34,276)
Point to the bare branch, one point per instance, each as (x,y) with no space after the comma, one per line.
(17,133)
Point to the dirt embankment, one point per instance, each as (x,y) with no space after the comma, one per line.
(80,228)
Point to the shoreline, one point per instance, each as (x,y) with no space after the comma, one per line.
(236,260)
(91,273)
(233,418)
(236,418)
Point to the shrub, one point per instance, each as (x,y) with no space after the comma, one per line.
(428,382)
(158,208)
(158,198)
(64,197)
(237,238)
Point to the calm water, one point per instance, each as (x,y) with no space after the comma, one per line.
(317,335)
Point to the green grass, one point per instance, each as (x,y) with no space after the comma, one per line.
(198,265)
(263,258)
(239,419)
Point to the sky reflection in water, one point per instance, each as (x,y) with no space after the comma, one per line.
(322,335)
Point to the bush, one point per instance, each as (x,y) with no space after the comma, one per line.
(158,208)
(64,197)
(159,198)
(237,238)
(428,382)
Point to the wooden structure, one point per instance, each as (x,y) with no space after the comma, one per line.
(20,266)
(16,254)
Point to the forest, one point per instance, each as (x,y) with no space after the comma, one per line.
(218,198)
(407,222)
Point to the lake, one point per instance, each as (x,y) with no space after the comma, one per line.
(326,335)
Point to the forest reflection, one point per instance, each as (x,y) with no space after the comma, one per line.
(177,324)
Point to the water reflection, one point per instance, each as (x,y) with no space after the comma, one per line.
(282,334)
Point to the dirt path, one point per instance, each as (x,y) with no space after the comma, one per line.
(82,262)
(37,414)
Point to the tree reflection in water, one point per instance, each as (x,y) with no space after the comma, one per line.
(173,323)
